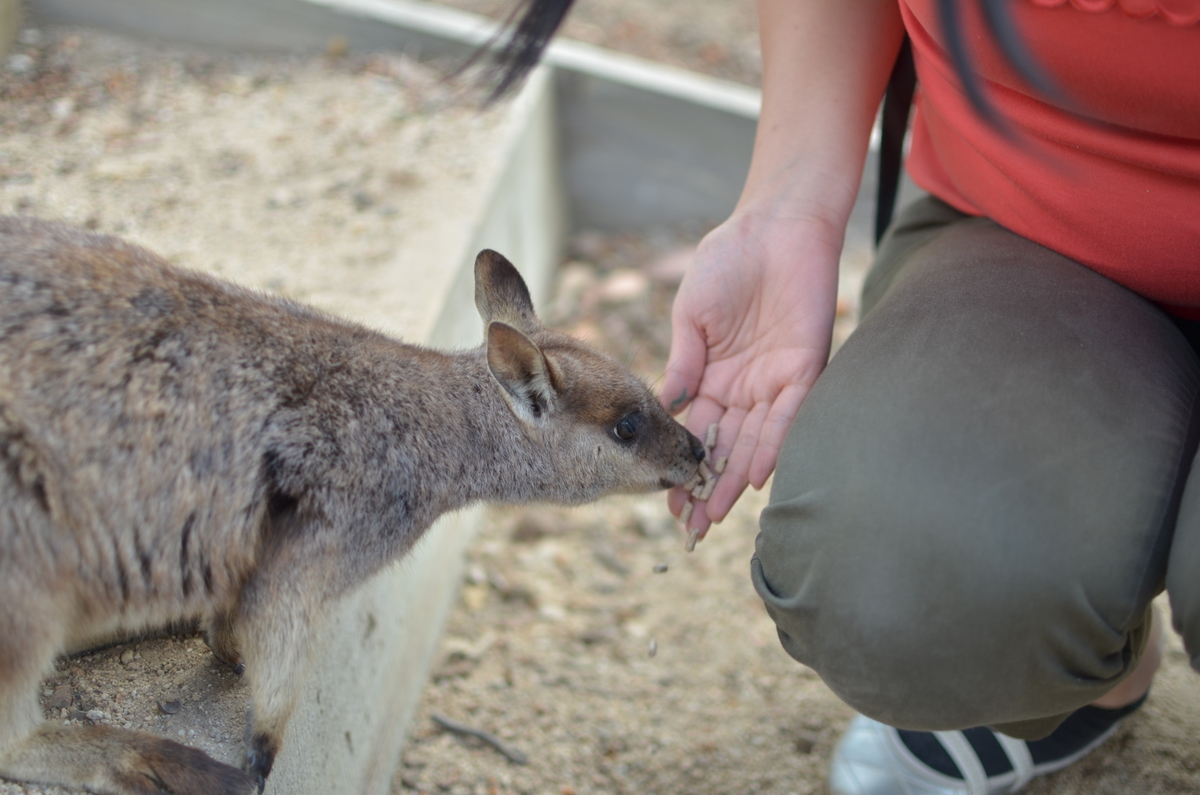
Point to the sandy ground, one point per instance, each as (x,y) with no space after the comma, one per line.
(273,171)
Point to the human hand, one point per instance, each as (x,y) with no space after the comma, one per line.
(751,329)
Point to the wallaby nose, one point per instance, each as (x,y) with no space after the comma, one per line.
(696,445)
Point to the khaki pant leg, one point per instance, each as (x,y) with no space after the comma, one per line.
(975,504)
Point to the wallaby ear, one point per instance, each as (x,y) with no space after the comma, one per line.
(521,368)
(501,294)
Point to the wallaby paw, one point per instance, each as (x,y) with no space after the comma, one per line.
(149,765)
(226,653)
(260,758)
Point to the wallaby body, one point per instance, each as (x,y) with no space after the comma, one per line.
(176,448)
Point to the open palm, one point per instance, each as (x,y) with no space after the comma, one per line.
(751,330)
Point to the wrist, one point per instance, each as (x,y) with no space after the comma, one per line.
(790,221)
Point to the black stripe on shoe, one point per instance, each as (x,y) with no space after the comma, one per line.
(1082,728)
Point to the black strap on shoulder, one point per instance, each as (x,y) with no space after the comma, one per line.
(897,101)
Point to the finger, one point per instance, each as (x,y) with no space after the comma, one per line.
(703,412)
(676,499)
(774,431)
(734,480)
(724,497)
(728,431)
(702,524)
(699,519)
(690,512)
(685,367)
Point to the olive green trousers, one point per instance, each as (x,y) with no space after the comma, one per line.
(987,486)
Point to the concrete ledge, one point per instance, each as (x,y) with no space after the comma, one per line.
(378,650)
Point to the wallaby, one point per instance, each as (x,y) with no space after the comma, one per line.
(173,447)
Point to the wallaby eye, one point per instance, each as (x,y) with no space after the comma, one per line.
(628,427)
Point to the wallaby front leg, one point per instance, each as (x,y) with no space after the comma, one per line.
(275,626)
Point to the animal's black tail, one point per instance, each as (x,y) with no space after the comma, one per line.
(519,48)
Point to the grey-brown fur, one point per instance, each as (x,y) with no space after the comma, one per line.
(176,448)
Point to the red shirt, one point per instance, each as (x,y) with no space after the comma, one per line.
(1120,192)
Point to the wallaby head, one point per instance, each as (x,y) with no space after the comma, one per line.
(600,426)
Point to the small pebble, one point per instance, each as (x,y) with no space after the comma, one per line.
(362,200)
(61,698)
(624,285)
(20,64)
(282,197)
(805,743)
(653,650)
(337,47)
(659,568)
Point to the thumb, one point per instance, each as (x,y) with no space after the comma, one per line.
(685,366)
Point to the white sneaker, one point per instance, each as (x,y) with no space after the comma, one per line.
(871,759)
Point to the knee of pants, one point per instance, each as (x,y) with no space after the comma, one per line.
(920,632)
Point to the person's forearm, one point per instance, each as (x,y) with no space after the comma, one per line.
(825,66)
